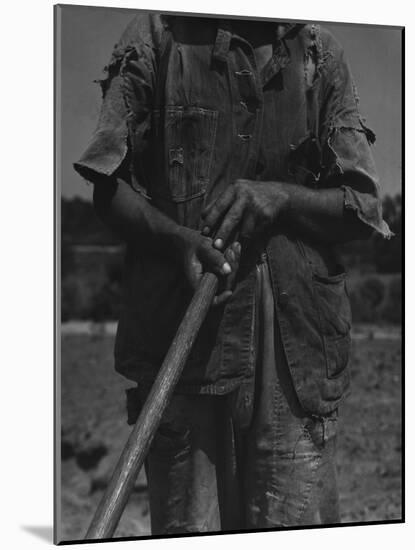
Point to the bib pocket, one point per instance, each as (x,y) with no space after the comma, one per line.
(184,140)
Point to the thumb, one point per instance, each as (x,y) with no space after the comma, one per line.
(193,271)
(215,261)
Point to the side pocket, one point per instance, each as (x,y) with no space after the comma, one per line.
(337,354)
(134,405)
(173,434)
(322,429)
(334,312)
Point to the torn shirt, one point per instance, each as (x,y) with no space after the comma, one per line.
(186,112)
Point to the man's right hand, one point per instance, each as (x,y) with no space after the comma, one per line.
(136,221)
(198,256)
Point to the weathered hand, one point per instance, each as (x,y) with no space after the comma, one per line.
(250,206)
(226,284)
(198,256)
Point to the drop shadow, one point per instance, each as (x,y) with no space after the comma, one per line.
(44,532)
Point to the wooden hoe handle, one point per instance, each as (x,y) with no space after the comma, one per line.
(113,502)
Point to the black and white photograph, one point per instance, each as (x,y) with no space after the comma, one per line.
(229,291)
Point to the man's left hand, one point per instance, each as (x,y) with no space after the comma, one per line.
(247,207)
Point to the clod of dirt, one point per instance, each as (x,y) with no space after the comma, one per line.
(88,459)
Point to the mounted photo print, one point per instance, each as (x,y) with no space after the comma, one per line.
(228,274)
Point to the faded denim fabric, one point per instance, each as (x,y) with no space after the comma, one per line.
(185,113)
(251,459)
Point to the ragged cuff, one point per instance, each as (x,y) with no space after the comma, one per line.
(124,120)
(347,156)
(104,154)
(108,145)
(368,209)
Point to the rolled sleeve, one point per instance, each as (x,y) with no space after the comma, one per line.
(346,155)
(124,124)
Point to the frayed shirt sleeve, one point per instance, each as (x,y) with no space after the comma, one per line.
(122,133)
(347,160)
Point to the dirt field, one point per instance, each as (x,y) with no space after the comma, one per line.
(94,430)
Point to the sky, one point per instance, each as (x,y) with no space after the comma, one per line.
(86,36)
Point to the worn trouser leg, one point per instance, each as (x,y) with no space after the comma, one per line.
(290,476)
(251,459)
(181,469)
(191,467)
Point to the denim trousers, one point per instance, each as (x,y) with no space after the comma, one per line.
(250,459)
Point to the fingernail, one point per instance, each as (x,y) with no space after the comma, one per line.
(218,243)
(238,247)
(206,230)
(226,268)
